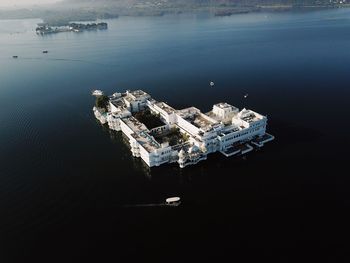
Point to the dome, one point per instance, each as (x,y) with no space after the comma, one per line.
(193,149)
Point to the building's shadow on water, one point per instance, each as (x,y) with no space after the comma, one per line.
(220,181)
(291,133)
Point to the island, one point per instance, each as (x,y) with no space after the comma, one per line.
(45,28)
(159,134)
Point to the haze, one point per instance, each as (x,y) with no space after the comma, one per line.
(11,3)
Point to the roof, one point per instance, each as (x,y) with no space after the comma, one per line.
(135,125)
(146,141)
(168,109)
(224,105)
(139,93)
(193,149)
(118,103)
(249,116)
(201,121)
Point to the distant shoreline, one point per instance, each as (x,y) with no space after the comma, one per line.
(65,16)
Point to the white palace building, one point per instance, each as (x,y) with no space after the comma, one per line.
(225,129)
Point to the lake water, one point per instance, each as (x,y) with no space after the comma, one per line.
(65,179)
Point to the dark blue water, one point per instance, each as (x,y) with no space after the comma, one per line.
(65,179)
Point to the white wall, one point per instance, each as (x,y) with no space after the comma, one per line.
(145,156)
(187,126)
(126,129)
(168,118)
(113,108)
(242,135)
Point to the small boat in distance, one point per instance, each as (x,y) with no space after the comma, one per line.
(173,201)
(14,56)
(246,96)
(212,84)
(45,51)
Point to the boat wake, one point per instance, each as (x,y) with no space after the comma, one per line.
(67,59)
(146,205)
(171,201)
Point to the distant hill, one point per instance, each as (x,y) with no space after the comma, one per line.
(206,2)
(84,10)
(216,7)
(130,6)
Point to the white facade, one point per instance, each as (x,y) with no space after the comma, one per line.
(100,115)
(224,111)
(166,113)
(224,129)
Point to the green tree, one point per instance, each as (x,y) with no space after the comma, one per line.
(102,102)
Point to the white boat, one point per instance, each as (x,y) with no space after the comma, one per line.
(174,201)
(212,83)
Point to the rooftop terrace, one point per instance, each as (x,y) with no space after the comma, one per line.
(135,125)
(212,115)
(184,113)
(224,105)
(138,93)
(147,141)
(119,103)
(165,107)
(197,120)
(250,117)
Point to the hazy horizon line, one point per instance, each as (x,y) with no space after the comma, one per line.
(26,3)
